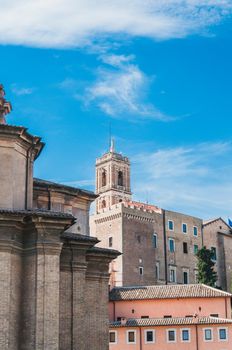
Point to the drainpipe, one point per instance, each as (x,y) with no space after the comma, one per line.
(140,339)
(72,296)
(226,308)
(202,235)
(114,311)
(197,338)
(165,246)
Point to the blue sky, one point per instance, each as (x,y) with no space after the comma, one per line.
(158,71)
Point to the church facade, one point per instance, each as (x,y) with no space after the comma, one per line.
(158,246)
(53,280)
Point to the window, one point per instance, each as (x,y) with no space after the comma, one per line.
(120,178)
(113,337)
(144,316)
(222,334)
(185,335)
(103,178)
(154,240)
(208,334)
(140,270)
(170,225)
(149,336)
(171,335)
(185,247)
(185,277)
(139,239)
(172,274)
(103,204)
(131,337)
(157,270)
(195,231)
(171,245)
(110,241)
(195,249)
(184,228)
(167,316)
(214,253)
(214,315)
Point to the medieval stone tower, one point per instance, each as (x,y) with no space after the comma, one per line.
(112,179)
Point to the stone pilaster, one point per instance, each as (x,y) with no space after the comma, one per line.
(10,282)
(5,292)
(72,291)
(96,298)
(41,277)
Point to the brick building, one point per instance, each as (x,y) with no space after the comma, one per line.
(217,236)
(159,246)
(175,316)
(53,280)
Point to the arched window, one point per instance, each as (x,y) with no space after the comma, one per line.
(120,178)
(103,178)
(103,204)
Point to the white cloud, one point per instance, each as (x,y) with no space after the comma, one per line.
(20,91)
(120,90)
(117,60)
(194,180)
(76,23)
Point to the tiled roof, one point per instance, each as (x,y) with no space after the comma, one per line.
(175,321)
(79,237)
(36,212)
(211,221)
(166,292)
(73,190)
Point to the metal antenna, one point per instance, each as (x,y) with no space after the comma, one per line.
(109,135)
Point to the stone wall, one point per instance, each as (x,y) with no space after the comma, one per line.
(216,234)
(132,228)
(183,261)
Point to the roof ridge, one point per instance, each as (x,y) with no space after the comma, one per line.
(212,288)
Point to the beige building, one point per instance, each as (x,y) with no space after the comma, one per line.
(158,246)
(53,278)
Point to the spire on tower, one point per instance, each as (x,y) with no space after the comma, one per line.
(112,148)
(5,107)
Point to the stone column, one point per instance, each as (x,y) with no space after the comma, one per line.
(96,298)
(72,291)
(10,282)
(5,288)
(40,309)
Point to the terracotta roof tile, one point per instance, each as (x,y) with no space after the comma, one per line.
(175,321)
(166,292)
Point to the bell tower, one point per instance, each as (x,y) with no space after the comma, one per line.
(112,179)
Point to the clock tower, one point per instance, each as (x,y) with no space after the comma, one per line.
(112,179)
